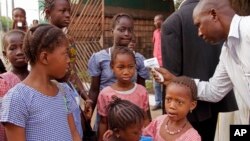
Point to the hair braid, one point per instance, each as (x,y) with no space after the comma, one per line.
(123,113)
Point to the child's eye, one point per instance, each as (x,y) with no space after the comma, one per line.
(120,67)
(136,133)
(121,29)
(12,48)
(180,102)
(131,67)
(168,100)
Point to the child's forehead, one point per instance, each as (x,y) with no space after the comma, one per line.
(61,3)
(14,37)
(18,12)
(176,87)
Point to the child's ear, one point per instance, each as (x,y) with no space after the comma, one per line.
(47,12)
(4,53)
(193,105)
(43,57)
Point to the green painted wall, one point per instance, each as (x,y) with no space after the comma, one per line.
(155,5)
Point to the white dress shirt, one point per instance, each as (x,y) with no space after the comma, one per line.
(233,70)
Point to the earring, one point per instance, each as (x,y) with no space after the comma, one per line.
(117,136)
(190,111)
(6,61)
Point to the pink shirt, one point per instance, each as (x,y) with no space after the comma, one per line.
(10,78)
(7,81)
(138,96)
(153,130)
(157,45)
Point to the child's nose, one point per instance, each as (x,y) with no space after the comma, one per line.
(172,105)
(19,51)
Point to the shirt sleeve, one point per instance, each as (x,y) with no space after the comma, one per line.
(102,104)
(4,87)
(141,69)
(151,129)
(93,66)
(14,109)
(145,100)
(217,87)
(70,102)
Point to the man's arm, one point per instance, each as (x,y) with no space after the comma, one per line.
(217,87)
(213,90)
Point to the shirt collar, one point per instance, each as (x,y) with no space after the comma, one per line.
(234,27)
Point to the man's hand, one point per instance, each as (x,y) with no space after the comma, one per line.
(168,77)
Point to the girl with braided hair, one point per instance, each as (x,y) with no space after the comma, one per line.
(180,99)
(125,121)
(58,13)
(37,108)
(123,65)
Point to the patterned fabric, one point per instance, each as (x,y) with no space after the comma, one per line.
(10,78)
(99,65)
(153,130)
(138,96)
(43,117)
(4,88)
(77,112)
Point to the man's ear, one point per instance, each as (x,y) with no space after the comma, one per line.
(43,57)
(213,14)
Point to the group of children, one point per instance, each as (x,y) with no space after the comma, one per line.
(43,103)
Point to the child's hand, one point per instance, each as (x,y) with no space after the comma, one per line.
(107,135)
(88,109)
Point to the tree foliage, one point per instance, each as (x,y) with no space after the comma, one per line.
(6,23)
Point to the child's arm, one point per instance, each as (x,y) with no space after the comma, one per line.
(103,127)
(94,90)
(73,130)
(147,119)
(81,91)
(14,133)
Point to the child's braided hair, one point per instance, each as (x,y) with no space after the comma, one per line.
(187,82)
(44,37)
(123,113)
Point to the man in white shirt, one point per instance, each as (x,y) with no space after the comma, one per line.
(216,21)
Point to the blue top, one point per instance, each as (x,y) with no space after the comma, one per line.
(77,112)
(43,117)
(99,65)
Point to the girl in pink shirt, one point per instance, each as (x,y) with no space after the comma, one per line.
(124,67)
(125,121)
(181,98)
